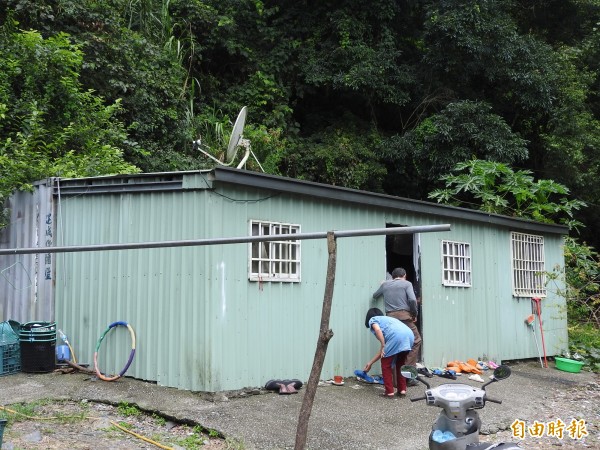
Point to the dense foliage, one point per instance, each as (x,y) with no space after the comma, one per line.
(50,125)
(385,96)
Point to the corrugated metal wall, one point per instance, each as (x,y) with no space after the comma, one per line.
(200,323)
(26,281)
(485,320)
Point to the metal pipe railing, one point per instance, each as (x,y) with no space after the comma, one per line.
(221,241)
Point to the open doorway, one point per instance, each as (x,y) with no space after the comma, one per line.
(403,250)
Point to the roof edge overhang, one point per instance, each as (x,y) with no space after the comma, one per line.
(170,181)
(312,189)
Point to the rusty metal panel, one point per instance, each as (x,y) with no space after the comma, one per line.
(26,281)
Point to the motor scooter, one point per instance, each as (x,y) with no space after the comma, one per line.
(458,424)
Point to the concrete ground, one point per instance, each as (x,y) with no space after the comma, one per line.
(352,416)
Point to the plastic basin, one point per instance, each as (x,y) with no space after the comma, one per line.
(568,365)
(2,424)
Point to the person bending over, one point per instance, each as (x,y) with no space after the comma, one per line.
(401,303)
(396,341)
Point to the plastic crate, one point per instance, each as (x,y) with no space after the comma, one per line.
(10,359)
(10,352)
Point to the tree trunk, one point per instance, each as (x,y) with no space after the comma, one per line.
(325,334)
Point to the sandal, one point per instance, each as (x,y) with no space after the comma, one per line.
(402,394)
(386,395)
(290,388)
(425,371)
(297,384)
(285,390)
(364,376)
(448,374)
(273,385)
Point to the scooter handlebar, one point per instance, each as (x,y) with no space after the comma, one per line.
(493,400)
(416,399)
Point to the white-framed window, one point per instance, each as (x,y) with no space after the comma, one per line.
(456,263)
(528,267)
(274,260)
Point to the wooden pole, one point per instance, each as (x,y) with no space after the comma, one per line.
(325,335)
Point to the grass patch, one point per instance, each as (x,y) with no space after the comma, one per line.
(234,444)
(160,420)
(128,410)
(23,411)
(126,425)
(70,418)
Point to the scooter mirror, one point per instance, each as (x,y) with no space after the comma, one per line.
(502,372)
(409,372)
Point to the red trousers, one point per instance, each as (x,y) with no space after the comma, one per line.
(398,360)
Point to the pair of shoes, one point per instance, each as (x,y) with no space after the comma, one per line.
(286,389)
(284,386)
(297,384)
(425,371)
(449,374)
(476,378)
(274,385)
(412,382)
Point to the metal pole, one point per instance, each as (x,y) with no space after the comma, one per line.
(220,241)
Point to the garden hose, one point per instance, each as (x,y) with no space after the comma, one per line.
(139,436)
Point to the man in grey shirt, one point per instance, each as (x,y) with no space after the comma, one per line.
(401,303)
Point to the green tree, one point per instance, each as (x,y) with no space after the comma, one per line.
(583,282)
(337,155)
(496,188)
(461,131)
(49,125)
(146,72)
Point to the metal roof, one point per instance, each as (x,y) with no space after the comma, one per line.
(174,181)
(301,187)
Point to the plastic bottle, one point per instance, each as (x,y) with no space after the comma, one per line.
(63,353)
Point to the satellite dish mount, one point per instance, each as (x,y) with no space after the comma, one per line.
(236,140)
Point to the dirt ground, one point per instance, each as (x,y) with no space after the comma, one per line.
(567,404)
(86,425)
(68,424)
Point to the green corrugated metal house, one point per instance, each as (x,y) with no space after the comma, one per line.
(225,317)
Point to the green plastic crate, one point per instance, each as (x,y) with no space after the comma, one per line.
(10,352)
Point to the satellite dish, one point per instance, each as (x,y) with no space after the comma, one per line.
(236,134)
(236,140)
